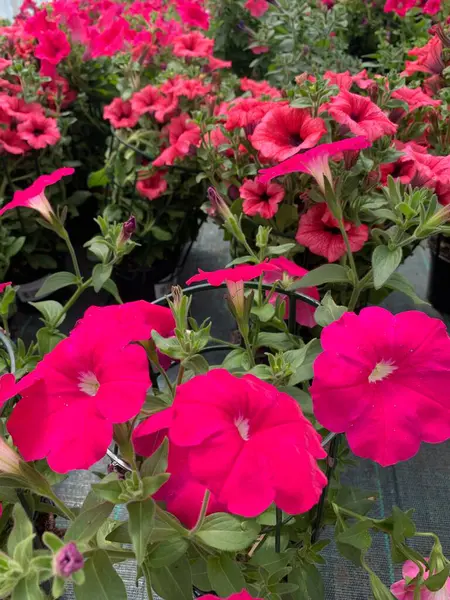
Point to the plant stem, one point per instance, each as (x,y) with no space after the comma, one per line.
(180,375)
(71,301)
(356,287)
(224,343)
(73,256)
(68,513)
(202,514)
(171,521)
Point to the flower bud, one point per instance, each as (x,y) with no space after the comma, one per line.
(128,228)
(218,204)
(68,560)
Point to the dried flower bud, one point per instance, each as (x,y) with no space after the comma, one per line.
(300,79)
(68,560)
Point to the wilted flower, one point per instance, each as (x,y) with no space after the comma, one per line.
(67,560)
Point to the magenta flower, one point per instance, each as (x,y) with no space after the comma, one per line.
(405,591)
(244,439)
(261,198)
(314,161)
(70,402)
(38,131)
(235,274)
(7,386)
(53,46)
(3,286)
(382,379)
(34,196)
(257,7)
(68,560)
(243,595)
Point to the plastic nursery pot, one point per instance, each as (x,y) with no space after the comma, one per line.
(439,280)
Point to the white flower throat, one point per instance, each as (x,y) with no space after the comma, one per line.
(382,369)
(243,426)
(88,383)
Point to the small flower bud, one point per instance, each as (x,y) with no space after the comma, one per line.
(68,560)
(128,228)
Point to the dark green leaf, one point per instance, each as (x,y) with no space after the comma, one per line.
(88,523)
(196,363)
(100,274)
(309,582)
(379,590)
(357,536)
(228,532)
(437,581)
(384,263)
(173,582)
(102,581)
(140,525)
(165,553)
(276,341)
(56,281)
(264,313)
(225,575)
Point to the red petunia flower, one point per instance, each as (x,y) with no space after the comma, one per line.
(166,107)
(242,595)
(39,131)
(360,115)
(247,113)
(145,101)
(191,45)
(18,109)
(429,59)
(257,7)
(4,64)
(11,142)
(259,49)
(3,286)
(234,274)
(261,198)
(190,88)
(403,170)
(152,186)
(401,7)
(120,113)
(259,88)
(34,196)
(7,381)
(243,438)
(344,81)
(53,46)
(183,135)
(109,41)
(414,98)
(193,14)
(318,230)
(284,131)
(217,63)
(383,380)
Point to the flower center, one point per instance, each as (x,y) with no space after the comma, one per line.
(242,425)
(88,383)
(382,370)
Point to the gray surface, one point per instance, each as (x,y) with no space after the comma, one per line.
(421,483)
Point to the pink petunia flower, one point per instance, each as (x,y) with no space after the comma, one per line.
(288,272)
(284,131)
(402,170)
(12,143)
(193,14)
(18,109)
(247,113)
(382,379)
(414,98)
(120,113)
(166,107)
(243,437)
(34,195)
(3,286)
(261,198)
(401,7)
(4,64)
(259,88)
(39,131)
(257,7)
(192,45)
(184,135)
(402,590)
(344,81)
(218,63)
(190,88)
(145,101)
(314,161)
(429,59)
(234,274)
(360,115)
(7,381)
(243,595)
(70,402)
(152,186)
(182,494)
(53,46)
(318,230)
(109,41)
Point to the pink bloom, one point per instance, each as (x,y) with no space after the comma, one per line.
(165,107)
(17,108)
(183,135)
(284,131)
(318,230)
(71,400)
(7,381)
(344,81)
(244,595)
(34,196)
(247,113)
(121,113)
(405,591)
(429,59)
(152,186)
(256,7)
(182,494)
(145,101)
(191,88)
(235,274)
(314,161)
(415,98)
(261,198)
(402,169)
(193,45)
(111,40)
(259,88)
(12,143)
(193,14)
(39,131)
(288,272)
(3,286)
(217,63)
(360,115)
(401,7)
(382,379)
(431,7)
(243,438)
(53,46)
(4,64)
(259,49)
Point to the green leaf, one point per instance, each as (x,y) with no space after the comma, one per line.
(173,582)
(264,313)
(110,286)
(225,575)
(50,310)
(323,274)
(161,234)
(88,523)
(302,360)
(276,341)
(47,339)
(100,274)
(436,582)
(20,540)
(157,462)
(379,590)
(15,247)
(101,580)
(150,485)
(236,360)
(167,552)
(302,398)
(109,489)
(28,589)
(140,525)
(52,541)
(283,249)
(228,532)
(7,298)
(328,311)
(400,284)
(97,179)
(196,363)
(357,536)
(309,581)
(170,346)
(384,263)
(55,282)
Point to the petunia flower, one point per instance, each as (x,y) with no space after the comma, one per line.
(34,196)
(259,88)
(109,41)
(261,198)
(71,400)
(190,88)
(4,64)
(257,7)
(217,63)
(243,595)
(152,186)
(18,109)
(382,379)
(343,81)
(288,272)
(401,7)
(121,113)
(319,231)
(284,131)
(193,14)
(7,381)
(67,560)
(429,59)
(182,494)
(314,161)
(11,142)
(192,45)
(246,113)
(243,438)
(183,134)
(414,98)
(53,46)
(235,274)
(3,287)
(402,590)
(145,101)
(39,131)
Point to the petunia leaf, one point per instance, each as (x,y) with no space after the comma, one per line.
(55,282)
(100,275)
(384,263)
(102,581)
(399,283)
(225,575)
(436,582)
(50,310)
(379,590)
(140,524)
(88,522)
(166,552)
(328,311)
(321,275)
(157,462)
(228,532)
(173,582)
(309,582)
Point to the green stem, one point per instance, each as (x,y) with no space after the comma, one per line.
(249,349)
(73,256)
(224,343)
(60,505)
(71,301)
(180,375)
(163,516)
(165,377)
(202,515)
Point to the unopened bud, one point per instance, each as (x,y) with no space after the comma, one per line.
(128,228)
(218,204)
(300,79)
(68,560)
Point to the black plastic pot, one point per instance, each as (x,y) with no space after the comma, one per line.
(439,281)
